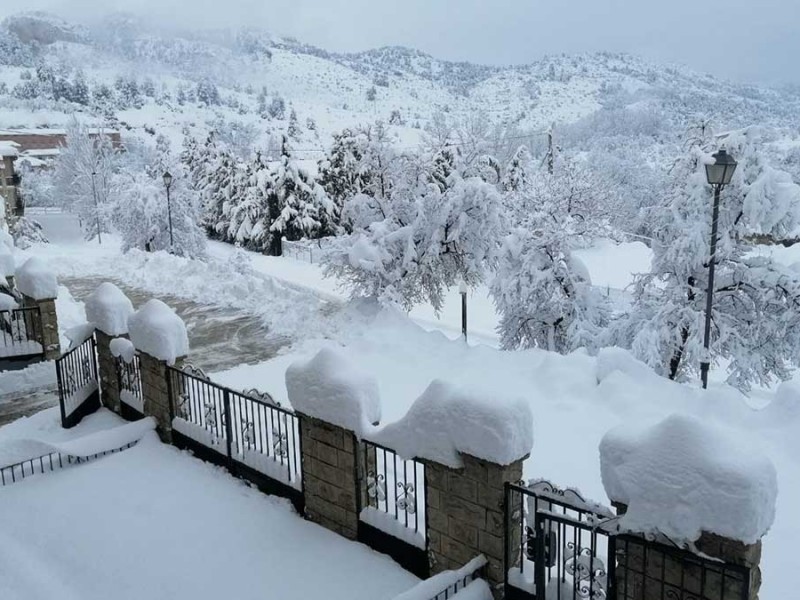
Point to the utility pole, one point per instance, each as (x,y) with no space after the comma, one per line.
(96,209)
(550,151)
(462,289)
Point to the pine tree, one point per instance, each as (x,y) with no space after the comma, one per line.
(518,172)
(342,173)
(293,129)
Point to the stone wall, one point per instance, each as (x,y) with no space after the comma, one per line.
(329,475)
(49,326)
(465,515)
(109,382)
(155,393)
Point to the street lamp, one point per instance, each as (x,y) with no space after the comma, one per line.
(462,289)
(719,174)
(168,184)
(96,208)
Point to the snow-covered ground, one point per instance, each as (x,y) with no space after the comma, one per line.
(574,399)
(154,522)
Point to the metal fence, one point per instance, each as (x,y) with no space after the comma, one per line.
(47,463)
(21,334)
(248,432)
(392,505)
(129,381)
(560,546)
(78,391)
(310,251)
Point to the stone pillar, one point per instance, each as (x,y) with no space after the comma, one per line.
(109,382)
(329,475)
(48,325)
(664,572)
(465,515)
(155,392)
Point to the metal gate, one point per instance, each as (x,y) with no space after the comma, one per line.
(78,389)
(560,546)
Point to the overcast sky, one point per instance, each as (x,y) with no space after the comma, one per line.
(746,40)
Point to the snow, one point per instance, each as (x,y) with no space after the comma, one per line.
(156,330)
(108,308)
(171,518)
(387,523)
(446,421)
(429,588)
(36,279)
(79,334)
(331,388)
(7,302)
(122,347)
(6,240)
(8,149)
(18,450)
(682,477)
(36,376)
(7,265)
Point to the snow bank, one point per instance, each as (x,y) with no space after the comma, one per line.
(109,309)
(121,347)
(156,330)
(7,265)
(79,334)
(331,388)
(37,280)
(612,359)
(682,477)
(18,450)
(6,241)
(446,421)
(429,588)
(7,302)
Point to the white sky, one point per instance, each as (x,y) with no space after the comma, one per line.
(747,40)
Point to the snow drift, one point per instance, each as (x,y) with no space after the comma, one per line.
(682,477)
(108,308)
(446,421)
(330,388)
(156,330)
(37,280)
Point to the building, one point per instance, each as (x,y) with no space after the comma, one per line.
(9,180)
(43,139)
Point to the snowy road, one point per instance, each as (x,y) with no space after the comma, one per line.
(219,337)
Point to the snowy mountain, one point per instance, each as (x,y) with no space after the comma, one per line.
(121,71)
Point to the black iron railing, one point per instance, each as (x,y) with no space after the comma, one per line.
(557,543)
(393,486)
(649,568)
(46,463)
(249,428)
(561,546)
(458,585)
(78,389)
(21,333)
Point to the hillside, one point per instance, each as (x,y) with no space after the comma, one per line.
(120,72)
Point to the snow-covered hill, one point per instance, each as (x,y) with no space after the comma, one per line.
(147,81)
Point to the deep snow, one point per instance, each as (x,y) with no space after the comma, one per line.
(574,399)
(154,522)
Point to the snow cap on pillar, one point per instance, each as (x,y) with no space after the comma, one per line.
(157,330)
(108,309)
(682,477)
(35,279)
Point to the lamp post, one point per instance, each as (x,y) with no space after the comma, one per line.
(462,289)
(168,184)
(96,208)
(719,174)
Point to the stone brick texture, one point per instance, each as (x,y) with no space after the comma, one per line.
(49,326)
(654,574)
(465,515)
(109,381)
(329,476)
(155,393)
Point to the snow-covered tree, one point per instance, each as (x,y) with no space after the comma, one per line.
(343,173)
(83,176)
(142,216)
(419,243)
(756,312)
(304,209)
(519,171)
(543,293)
